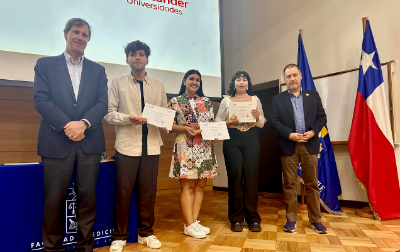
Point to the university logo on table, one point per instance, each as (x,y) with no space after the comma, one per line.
(71,226)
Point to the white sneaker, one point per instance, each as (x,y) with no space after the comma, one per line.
(194,230)
(117,245)
(203,228)
(150,241)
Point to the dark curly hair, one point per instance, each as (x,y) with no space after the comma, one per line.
(135,46)
(232,89)
(199,92)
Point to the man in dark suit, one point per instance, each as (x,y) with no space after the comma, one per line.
(298,116)
(70,93)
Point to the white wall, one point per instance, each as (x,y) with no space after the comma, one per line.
(261,37)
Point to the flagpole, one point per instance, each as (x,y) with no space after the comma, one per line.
(366,212)
(364,22)
(302,207)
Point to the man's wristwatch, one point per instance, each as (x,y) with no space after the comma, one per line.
(86,123)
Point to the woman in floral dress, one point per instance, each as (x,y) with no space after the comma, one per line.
(193,159)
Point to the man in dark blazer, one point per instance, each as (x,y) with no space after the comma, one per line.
(298,116)
(70,93)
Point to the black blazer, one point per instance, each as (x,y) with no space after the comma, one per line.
(282,119)
(54,99)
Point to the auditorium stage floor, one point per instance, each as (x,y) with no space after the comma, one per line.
(345,233)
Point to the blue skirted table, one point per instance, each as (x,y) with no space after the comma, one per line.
(22,203)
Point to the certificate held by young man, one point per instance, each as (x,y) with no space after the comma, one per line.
(159,117)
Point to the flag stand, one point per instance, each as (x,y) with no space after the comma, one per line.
(302,207)
(366,212)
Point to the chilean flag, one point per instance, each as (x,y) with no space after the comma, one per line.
(370,141)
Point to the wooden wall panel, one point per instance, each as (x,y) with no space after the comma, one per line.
(19,125)
(109,135)
(16,93)
(19,157)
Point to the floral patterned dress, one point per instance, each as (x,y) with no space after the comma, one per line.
(193,157)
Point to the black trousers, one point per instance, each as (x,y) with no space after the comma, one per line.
(241,153)
(57,178)
(144,170)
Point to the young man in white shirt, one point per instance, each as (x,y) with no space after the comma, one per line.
(137,144)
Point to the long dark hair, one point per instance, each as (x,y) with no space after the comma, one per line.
(232,90)
(183,87)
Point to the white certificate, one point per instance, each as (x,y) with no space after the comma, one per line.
(214,130)
(159,117)
(242,110)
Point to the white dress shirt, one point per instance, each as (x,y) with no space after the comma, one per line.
(75,73)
